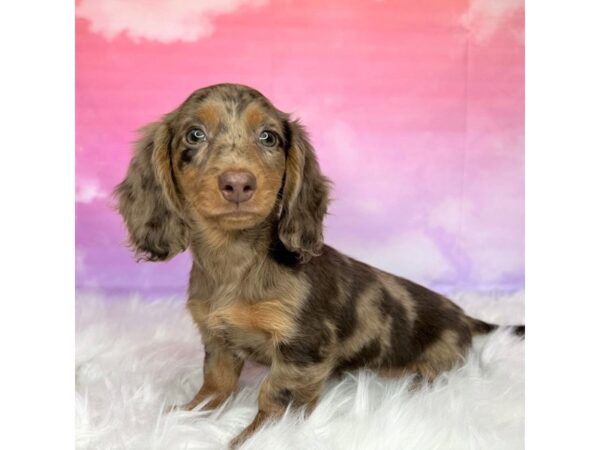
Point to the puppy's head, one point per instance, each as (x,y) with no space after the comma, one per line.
(225,159)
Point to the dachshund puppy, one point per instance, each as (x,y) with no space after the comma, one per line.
(236,181)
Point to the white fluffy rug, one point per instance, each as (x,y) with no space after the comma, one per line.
(135,356)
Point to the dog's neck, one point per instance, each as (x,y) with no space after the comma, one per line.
(221,253)
(237,264)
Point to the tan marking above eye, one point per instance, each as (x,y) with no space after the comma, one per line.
(254,116)
(209,115)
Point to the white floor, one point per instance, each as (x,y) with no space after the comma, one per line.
(135,356)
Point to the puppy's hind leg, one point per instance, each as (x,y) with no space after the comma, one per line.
(286,384)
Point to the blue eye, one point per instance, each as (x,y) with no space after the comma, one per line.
(195,136)
(267,139)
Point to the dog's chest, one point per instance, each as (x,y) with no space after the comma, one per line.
(250,330)
(247,344)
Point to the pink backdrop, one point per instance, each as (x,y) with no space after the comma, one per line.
(416,110)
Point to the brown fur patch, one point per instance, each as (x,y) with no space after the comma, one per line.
(399,292)
(439,356)
(255,116)
(209,114)
(269,316)
(359,350)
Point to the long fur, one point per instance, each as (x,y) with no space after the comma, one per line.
(135,356)
(264,287)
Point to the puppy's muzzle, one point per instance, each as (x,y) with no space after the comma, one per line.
(237,186)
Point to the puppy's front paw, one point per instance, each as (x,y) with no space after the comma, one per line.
(237,441)
(259,420)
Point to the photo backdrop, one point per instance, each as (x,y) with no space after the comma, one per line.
(416,110)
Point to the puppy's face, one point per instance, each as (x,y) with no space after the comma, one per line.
(229,160)
(228,157)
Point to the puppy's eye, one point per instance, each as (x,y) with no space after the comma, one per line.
(267,139)
(195,136)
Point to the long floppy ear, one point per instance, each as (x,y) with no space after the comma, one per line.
(148,199)
(305,197)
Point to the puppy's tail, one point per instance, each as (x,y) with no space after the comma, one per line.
(481,327)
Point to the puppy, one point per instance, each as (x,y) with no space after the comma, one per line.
(236,181)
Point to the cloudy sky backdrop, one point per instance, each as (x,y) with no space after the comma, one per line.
(416,110)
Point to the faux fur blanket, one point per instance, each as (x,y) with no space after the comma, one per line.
(135,356)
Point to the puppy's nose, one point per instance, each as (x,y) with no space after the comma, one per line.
(237,186)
